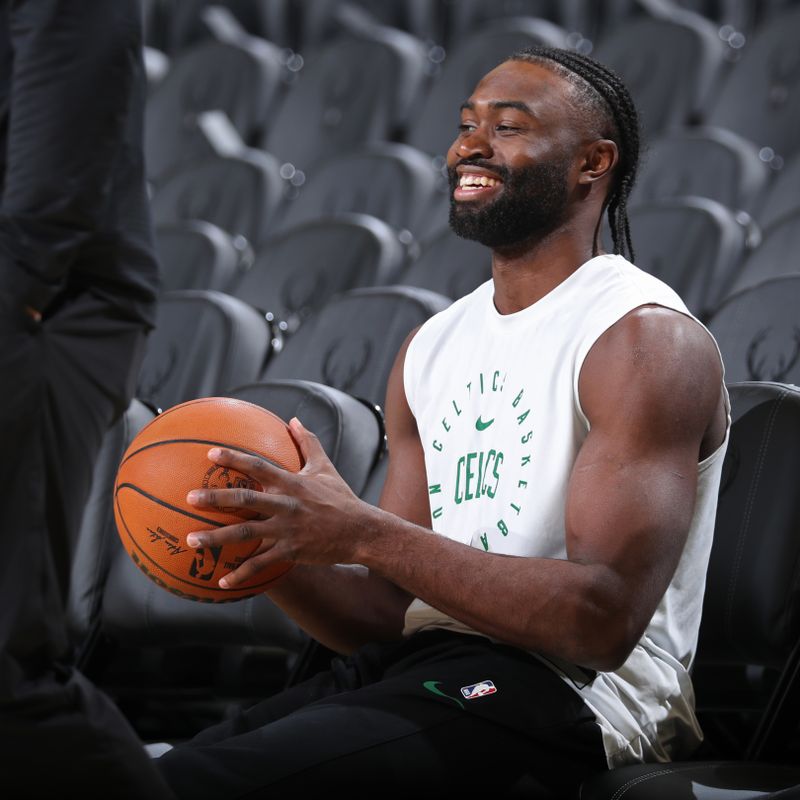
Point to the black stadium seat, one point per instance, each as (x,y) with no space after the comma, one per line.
(299,269)
(758,332)
(781,196)
(203,344)
(751,620)
(244,79)
(703,161)
(351,343)
(194,254)
(240,193)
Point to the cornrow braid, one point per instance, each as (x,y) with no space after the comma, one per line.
(605,95)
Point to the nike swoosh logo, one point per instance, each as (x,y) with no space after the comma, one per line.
(480,425)
(431,686)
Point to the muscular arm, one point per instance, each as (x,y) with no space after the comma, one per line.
(651,389)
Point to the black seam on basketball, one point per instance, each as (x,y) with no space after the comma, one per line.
(169,505)
(254,588)
(210,443)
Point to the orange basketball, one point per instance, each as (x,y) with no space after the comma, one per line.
(169,458)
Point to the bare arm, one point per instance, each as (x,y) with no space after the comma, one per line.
(650,388)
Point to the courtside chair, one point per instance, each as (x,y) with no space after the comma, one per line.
(194,254)
(240,192)
(670,65)
(760,96)
(245,79)
(751,622)
(694,244)
(758,331)
(302,267)
(781,195)
(194,660)
(204,342)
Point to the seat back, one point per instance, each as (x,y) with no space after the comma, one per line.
(204,343)
(777,254)
(391,181)
(760,97)
(694,244)
(704,162)
(352,342)
(196,255)
(758,332)
(96,538)
(449,265)
(670,66)
(352,89)
(301,268)
(240,193)
(469,59)
(781,196)
(244,79)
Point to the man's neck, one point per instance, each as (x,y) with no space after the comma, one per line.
(526,273)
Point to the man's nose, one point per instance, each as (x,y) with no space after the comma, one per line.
(472,144)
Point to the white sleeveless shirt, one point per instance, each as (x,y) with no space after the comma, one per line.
(496,402)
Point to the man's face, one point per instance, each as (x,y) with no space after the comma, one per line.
(511,164)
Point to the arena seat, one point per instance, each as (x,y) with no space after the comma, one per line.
(388,180)
(245,79)
(449,265)
(694,244)
(352,341)
(194,254)
(751,616)
(240,193)
(204,343)
(776,254)
(300,268)
(224,650)
(355,88)
(760,96)
(781,196)
(758,332)
(702,161)
(670,65)
(435,124)
(91,556)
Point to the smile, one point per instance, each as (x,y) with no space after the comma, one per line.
(472,186)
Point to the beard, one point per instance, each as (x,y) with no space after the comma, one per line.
(532,203)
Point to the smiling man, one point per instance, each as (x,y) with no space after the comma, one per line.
(526,598)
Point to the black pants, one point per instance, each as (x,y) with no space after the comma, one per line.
(64,381)
(392,720)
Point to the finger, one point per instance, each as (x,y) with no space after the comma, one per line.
(242,498)
(252,567)
(310,446)
(255,466)
(246,531)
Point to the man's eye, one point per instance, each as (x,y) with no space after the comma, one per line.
(506,128)
(466,126)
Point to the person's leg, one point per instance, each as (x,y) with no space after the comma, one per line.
(406,728)
(68,378)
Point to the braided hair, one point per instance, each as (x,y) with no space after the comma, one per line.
(602,93)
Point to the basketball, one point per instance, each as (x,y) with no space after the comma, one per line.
(166,460)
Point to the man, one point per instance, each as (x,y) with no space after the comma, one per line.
(562,431)
(78,282)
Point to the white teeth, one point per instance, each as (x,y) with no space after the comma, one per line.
(476,180)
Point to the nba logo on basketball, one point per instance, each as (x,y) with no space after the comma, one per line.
(204,562)
(478,690)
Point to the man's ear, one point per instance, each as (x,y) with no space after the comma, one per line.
(602,156)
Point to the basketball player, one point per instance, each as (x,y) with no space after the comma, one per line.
(78,282)
(561,431)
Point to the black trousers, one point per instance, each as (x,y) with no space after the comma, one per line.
(392,720)
(64,381)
